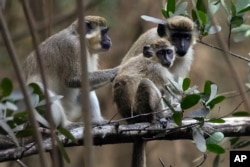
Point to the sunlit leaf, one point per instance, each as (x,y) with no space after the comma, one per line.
(189,101)
(199,140)
(213,6)
(214,29)
(181,8)
(215,138)
(215,148)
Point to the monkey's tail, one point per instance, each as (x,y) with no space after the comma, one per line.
(139,154)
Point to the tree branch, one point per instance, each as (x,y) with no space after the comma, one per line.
(114,134)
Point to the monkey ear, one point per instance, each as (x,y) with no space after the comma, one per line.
(161,30)
(147,52)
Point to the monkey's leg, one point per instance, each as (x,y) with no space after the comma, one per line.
(96,116)
(101,77)
(148,100)
(124,89)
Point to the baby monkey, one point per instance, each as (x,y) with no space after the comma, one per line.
(139,85)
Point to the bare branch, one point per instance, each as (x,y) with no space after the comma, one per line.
(114,134)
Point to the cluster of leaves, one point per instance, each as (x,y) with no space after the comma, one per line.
(14,119)
(188,97)
(201,10)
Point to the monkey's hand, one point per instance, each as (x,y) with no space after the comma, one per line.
(102,77)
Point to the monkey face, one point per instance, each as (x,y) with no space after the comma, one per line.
(105,39)
(97,39)
(166,56)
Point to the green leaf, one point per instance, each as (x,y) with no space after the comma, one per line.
(6,87)
(195,17)
(189,101)
(199,140)
(241,114)
(247,8)
(25,133)
(200,6)
(177,116)
(215,138)
(164,13)
(186,84)
(67,134)
(207,87)
(217,120)
(37,90)
(215,148)
(63,151)
(236,21)
(233,9)
(202,17)
(171,6)
(10,132)
(215,101)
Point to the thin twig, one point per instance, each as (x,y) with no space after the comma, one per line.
(31,25)
(227,52)
(17,68)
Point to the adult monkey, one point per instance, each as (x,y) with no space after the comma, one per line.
(180,31)
(61,57)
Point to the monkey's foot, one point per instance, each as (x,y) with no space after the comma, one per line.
(100,122)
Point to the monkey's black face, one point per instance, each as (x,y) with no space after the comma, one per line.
(105,39)
(182,42)
(165,56)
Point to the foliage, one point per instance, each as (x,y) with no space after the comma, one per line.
(14,120)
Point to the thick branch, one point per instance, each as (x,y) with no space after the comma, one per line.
(113,134)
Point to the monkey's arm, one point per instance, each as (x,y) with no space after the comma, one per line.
(101,77)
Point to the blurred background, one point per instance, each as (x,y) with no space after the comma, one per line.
(124,19)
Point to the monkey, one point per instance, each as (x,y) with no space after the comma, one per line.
(61,57)
(179,31)
(139,86)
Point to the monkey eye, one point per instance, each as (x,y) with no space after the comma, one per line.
(88,26)
(169,51)
(161,52)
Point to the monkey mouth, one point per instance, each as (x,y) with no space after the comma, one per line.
(166,64)
(106,45)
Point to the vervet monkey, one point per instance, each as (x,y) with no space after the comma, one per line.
(61,57)
(180,32)
(139,86)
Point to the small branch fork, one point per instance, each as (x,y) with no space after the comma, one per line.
(115,133)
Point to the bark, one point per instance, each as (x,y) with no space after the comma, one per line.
(115,133)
